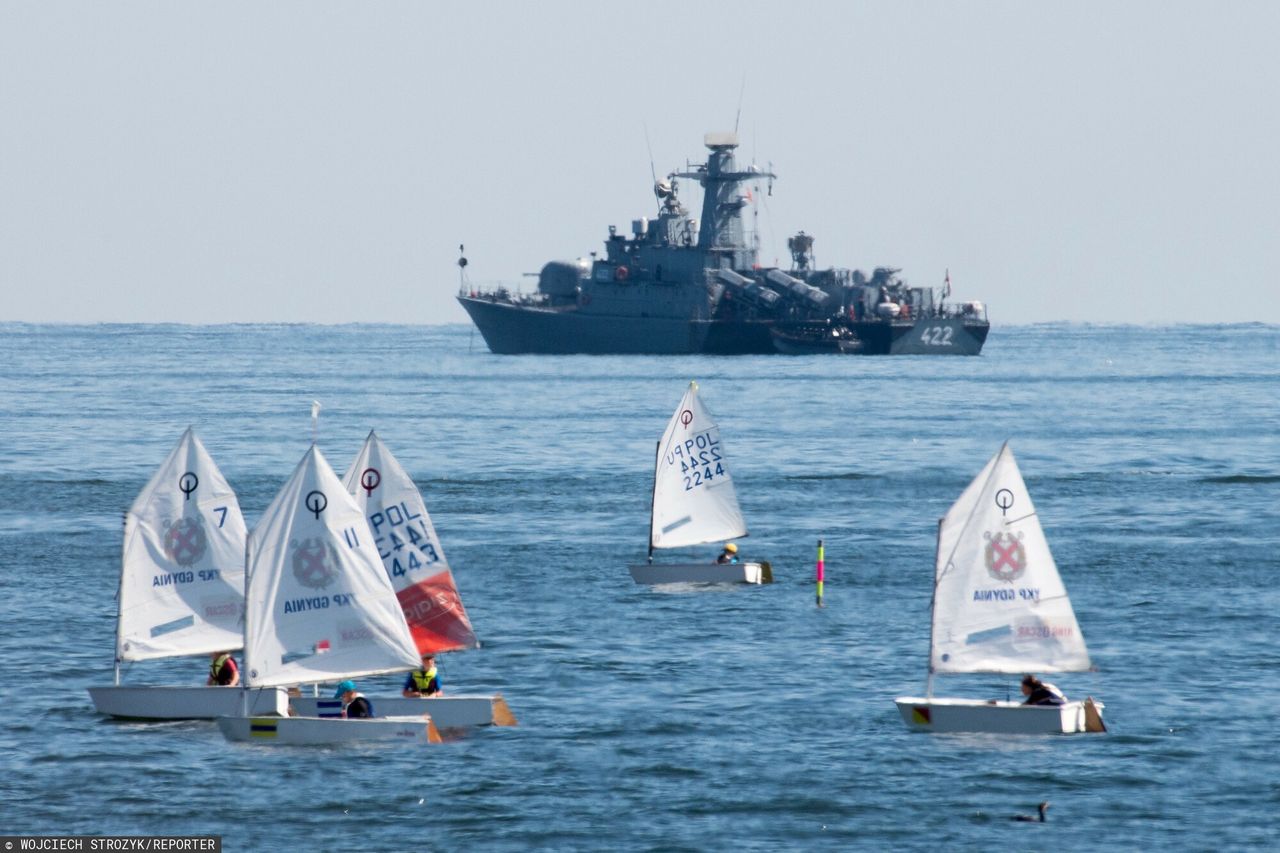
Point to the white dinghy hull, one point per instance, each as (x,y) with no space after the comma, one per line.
(184,703)
(656,573)
(319,731)
(975,715)
(447,712)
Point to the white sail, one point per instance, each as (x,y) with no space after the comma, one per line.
(693,497)
(182,565)
(410,550)
(318,605)
(999,603)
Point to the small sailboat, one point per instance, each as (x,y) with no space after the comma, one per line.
(999,606)
(319,608)
(181,589)
(694,501)
(416,566)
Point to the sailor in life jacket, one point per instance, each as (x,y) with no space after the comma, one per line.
(354,704)
(1041,693)
(729,554)
(423,682)
(223,670)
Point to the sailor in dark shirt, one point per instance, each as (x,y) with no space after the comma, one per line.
(729,554)
(1041,693)
(354,704)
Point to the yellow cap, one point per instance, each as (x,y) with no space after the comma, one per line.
(731,548)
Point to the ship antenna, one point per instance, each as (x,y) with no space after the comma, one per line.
(652,169)
(741,92)
(755,226)
(660,191)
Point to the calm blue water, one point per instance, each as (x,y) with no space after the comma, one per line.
(689,719)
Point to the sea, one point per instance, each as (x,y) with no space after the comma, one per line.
(684,717)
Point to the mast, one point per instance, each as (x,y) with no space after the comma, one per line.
(653,493)
(124,549)
(244,655)
(933,599)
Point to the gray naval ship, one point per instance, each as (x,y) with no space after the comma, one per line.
(683,285)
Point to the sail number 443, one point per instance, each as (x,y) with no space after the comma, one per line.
(397,529)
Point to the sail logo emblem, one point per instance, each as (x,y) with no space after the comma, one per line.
(1005,556)
(184,541)
(316,502)
(369,480)
(314,563)
(686,418)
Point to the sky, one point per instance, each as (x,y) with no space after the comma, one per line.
(321,162)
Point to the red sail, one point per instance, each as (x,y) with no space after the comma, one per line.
(437,620)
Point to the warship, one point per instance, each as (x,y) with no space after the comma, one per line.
(679,285)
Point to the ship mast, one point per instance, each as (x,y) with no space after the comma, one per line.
(720,230)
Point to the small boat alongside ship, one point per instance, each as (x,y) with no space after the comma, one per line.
(681,285)
(816,339)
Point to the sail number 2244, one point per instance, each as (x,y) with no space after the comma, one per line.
(699,459)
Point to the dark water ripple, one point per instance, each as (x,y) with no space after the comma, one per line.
(684,718)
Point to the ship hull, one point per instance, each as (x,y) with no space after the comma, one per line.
(511,329)
(927,336)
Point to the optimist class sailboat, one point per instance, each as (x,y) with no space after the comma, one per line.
(694,501)
(319,608)
(181,589)
(415,563)
(999,606)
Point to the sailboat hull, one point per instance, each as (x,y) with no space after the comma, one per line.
(318,731)
(655,573)
(975,715)
(184,703)
(447,712)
